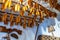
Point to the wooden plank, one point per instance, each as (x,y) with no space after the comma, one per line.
(4,29)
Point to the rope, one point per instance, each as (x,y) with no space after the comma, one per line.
(36,32)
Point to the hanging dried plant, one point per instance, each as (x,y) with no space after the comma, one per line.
(17,20)
(21,13)
(21,23)
(17,7)
(24,8)
(11,23)
(24,24)
(32,24)
(6,5)
(47,13)
(6,21)
(3,1)
(30,3)
(37,12)
(31,9)
(21,1)
(29,22)
(30,14)
(4,18)
(41,16)
(3,8)
(35,5)
(11,19)
(12,8)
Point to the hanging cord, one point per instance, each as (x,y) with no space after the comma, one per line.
(36,32)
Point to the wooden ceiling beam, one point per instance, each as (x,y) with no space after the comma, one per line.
(4,29)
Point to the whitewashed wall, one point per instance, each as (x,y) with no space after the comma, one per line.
(29,33)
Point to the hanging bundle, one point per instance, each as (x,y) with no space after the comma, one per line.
(17,20)
(11,19)
(41,16)
(24,24)
(32,10)
(29,3)
(4,18)
(3,7)
(47,13)
(24,8)
(35,5)
(21,1)
(6,5)
(21,23)
(3,1)
(32,24)
(21,13)
(37,12)
(53,3)
(29,22)
(9,4)
(13,8)
(17,7)
(12,23)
